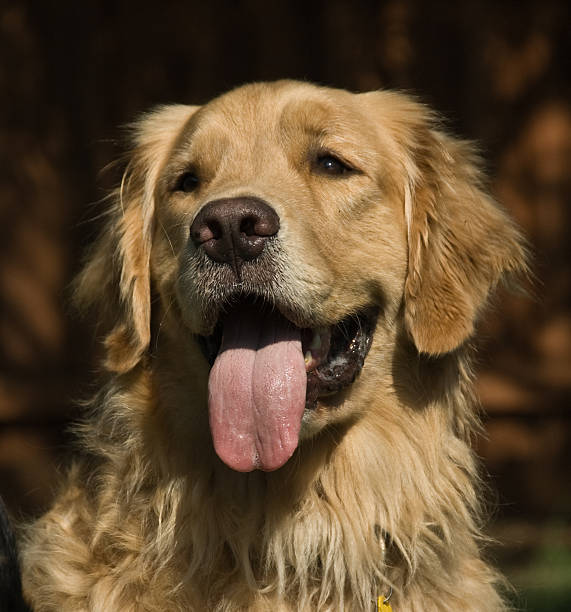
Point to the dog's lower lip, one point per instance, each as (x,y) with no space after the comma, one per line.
(334,355)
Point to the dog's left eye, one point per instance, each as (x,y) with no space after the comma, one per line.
(329,164)
(187,182)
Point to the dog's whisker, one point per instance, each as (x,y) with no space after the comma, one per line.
(168,238)
(164,317)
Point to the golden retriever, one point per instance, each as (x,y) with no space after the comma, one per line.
(288,284)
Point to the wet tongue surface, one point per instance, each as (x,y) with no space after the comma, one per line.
(257,390)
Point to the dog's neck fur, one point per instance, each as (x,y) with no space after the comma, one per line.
(362,511)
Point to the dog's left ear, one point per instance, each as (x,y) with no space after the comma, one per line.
(116,276)
(461,244)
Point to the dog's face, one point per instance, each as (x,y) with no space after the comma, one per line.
(280,193)
(295,232)
(274,213)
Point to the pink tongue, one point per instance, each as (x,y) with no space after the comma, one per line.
(257,391)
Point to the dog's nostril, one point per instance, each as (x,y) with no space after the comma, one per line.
(215,230)
(248,226)
(203,232)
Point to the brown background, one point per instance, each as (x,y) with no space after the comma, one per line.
(72,72)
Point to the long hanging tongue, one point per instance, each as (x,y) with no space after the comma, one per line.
(257,390)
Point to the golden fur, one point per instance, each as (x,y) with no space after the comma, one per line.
(383,490)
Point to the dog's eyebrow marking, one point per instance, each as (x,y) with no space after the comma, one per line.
(329,128)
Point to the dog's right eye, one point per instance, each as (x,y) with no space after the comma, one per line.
(187,182)
(330,164)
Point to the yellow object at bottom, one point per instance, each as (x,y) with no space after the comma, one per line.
(382,606)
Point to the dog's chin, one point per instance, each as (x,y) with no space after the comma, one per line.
(333,354)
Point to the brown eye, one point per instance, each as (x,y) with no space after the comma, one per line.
(329,164)
(187,182)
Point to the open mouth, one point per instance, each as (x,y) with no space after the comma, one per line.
(266,372)
(333,355)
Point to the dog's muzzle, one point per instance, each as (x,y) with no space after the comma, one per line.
(267,370)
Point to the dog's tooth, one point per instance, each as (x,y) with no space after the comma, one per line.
(308,357)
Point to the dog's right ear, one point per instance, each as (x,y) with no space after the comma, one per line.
(116,276)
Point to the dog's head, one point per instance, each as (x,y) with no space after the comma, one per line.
(291,230)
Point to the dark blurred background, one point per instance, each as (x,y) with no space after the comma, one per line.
(72,72)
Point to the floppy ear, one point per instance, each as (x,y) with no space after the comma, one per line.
(116,277)
(461,244)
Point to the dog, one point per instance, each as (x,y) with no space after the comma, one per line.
(288,286)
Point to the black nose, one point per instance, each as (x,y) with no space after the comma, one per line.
(234,230)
